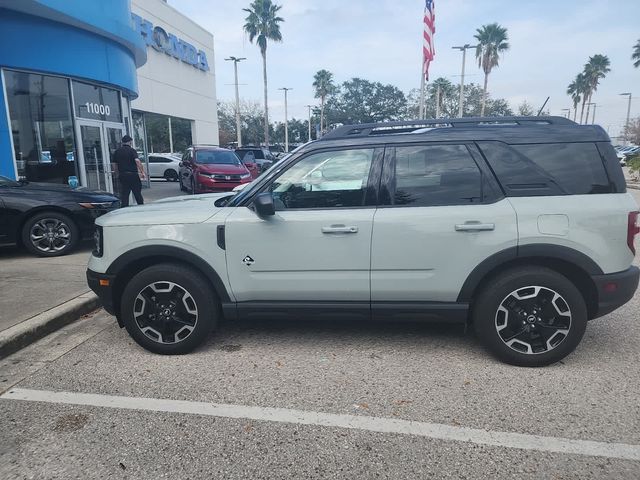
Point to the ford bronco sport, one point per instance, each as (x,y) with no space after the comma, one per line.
(519,226)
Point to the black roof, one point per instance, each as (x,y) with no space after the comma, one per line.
(513,130)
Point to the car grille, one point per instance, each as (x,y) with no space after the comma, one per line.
(227,178)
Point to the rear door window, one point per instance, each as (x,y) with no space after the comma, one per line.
(432,175)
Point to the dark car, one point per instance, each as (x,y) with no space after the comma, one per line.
(211,169)
(261,156)
(49,219)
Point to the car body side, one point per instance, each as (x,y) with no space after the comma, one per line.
(581,236)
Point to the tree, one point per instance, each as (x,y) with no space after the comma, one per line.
(525,109)
(251,121)
(636,54)
(575,90)
(263,24)
(361,101)
(492,41)
(324,86)
(594,70)
(631,132)
(449,96)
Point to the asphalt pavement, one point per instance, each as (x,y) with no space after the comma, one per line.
(304,399)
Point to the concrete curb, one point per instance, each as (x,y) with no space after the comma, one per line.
(24,333)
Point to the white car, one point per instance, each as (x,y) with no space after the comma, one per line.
(164,165)
(522,229)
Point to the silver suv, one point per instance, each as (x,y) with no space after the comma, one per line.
(520,226)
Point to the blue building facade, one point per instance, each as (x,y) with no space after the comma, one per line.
(67,75)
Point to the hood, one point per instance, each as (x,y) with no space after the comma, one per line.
(193,209)
(221,168)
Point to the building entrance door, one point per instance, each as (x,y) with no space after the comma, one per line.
(98,141)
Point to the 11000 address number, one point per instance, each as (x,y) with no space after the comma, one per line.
(98,108)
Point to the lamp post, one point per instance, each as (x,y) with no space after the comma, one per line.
(568,110)
(286,119)
(463,48)
(309,107)
(593,117)
(235,61)
(628,110)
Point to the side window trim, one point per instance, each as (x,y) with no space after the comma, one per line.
(372,183)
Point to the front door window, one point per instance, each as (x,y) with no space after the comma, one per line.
(94,164)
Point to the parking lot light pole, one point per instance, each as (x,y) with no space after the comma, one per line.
(309,107)
(463,48)
(628,110)
(235,61)
(286,119)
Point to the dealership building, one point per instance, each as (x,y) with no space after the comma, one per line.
(76,76)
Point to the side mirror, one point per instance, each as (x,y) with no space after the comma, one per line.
(264,204)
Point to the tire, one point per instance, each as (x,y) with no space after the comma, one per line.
(50,234)
(171,175)
(185,295)
(193,186)
(182,187)
(521,321)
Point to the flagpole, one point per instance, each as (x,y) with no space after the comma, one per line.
(422,85)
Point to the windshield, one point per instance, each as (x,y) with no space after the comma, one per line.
(217,157)
(7,182)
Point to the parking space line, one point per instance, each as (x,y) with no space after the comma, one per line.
(356,422)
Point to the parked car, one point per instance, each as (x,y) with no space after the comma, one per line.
(261,156)
(164,165)
(520,227)
(211,169)
(49,219)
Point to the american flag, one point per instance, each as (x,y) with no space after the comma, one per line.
(428,49)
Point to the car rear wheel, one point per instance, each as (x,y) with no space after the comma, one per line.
(530,316)
(169,309)
(50,234)
(171,176)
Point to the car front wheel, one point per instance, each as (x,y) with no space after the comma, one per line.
(169,309)
(50,234)
(171,176)
(530,316)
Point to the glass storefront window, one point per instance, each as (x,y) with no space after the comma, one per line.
(164,134)
(41,126)
(96,103)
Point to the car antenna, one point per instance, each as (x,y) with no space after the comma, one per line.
(542,107)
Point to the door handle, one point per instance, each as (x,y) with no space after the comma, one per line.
(340,229)
(475,227)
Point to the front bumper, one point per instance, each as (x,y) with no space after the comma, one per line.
(615,289)
(102,285)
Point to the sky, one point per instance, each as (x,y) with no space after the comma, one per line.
(380,40)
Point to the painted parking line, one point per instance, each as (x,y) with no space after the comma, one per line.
(356,422)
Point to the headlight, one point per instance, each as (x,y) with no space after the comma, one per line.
(208,175)
(98,242)
(100,205)
(245,175)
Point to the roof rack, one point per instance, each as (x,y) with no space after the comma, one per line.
(423,126)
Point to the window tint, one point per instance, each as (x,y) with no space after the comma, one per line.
(159,160)
(325,180)
(576,167)
(435,175)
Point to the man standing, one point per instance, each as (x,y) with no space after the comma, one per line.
(130,172)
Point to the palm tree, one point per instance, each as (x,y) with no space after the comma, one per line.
(636,54)
(263,24)
(492,41)
(575,91)
(595,70)
(323,84)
